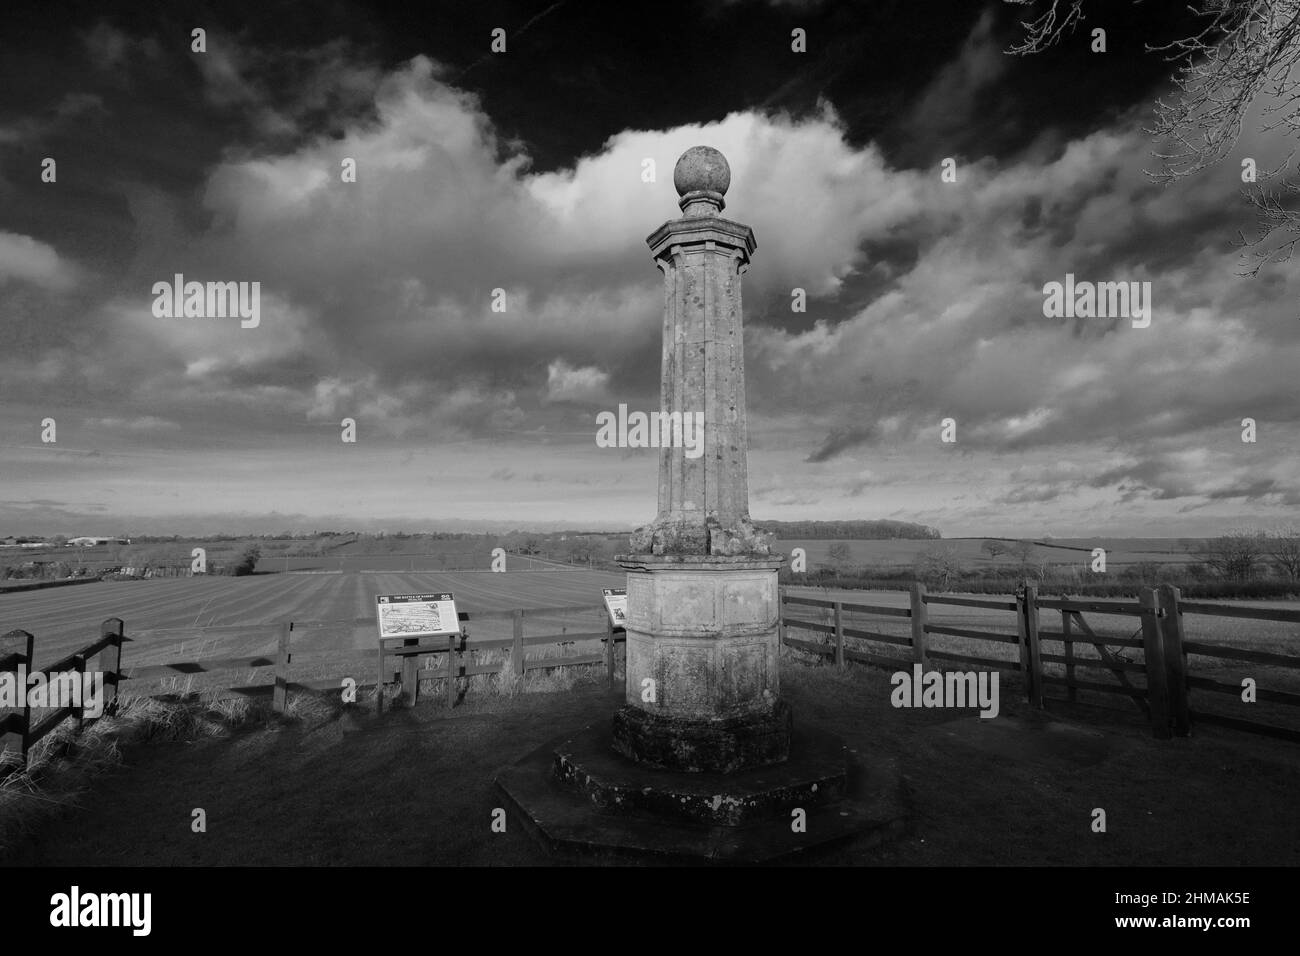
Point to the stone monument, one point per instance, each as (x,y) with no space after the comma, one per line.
(702,760)
(703,606)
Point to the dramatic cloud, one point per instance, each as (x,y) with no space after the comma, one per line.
(391,281)
(467,311)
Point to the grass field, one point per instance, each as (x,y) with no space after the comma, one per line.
(447,559)
(284,555)
(182,619)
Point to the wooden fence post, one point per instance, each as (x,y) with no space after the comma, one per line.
(1067,624)
(1171,629)
(280,696)
(79,711)
(918,622)
(1022,640)
(839,634)
(1035,658)
(609,649)
(780,618)
(517,648)
(1156,671)
(451,671)
(113,626)
(410,673)
(379,681)
(21,723)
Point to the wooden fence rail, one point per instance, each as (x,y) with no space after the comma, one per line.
(20,730)
(408,651)
(1163,697)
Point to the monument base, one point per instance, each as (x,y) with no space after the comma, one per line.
(703,645)
(704,746)
(577,795)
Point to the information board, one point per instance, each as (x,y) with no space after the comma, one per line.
(417,615)
(616,605)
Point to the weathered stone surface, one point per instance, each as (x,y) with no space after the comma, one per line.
(589,821)
(686,536)
(707,562)
(702,664)
(702,168)
(703,501)
(714,746)
(815,774)
(703,605)
(702,176)
(704,633)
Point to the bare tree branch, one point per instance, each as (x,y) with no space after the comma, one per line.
(1245,50)
(1048,29)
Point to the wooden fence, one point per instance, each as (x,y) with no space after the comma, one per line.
(410,650)
(18,732)
(1164,695)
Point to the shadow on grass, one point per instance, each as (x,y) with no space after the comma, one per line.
(340,786)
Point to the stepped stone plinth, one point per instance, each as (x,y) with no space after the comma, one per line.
(582,799)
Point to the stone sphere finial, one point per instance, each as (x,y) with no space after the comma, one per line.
(701,176)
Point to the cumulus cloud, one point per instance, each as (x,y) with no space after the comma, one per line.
(964,327)
(565,383)
(24,259)
(390,279)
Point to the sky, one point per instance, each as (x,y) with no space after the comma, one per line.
(524,171)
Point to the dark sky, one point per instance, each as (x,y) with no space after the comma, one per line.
(522,171)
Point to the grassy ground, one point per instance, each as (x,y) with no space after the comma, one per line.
(162,617)
(414,787)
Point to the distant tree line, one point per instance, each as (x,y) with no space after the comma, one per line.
(1245,563)
(860,530)
(43,571)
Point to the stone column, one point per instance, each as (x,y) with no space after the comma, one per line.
(702,642)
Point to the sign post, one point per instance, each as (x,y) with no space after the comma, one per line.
(407,618)
(616,606)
